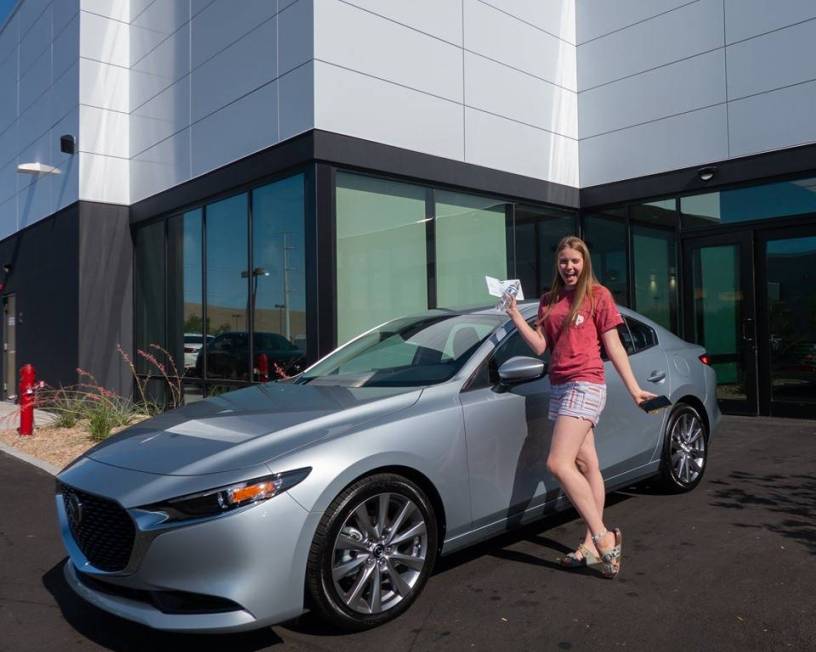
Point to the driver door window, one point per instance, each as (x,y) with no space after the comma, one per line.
(512,346)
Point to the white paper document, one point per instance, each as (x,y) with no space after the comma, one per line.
(505,290)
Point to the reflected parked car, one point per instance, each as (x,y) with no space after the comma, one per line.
(192,345)
(338,489)
(228,355)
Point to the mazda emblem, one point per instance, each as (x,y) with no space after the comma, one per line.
(73,505)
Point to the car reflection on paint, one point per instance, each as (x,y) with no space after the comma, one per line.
(337,490)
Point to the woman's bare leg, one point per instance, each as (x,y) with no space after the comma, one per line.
(590,468)
(569,435)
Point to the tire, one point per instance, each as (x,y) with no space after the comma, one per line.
(362,574)
(685,450)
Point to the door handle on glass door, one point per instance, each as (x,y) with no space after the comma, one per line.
(657,376)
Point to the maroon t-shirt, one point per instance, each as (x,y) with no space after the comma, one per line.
(575,351)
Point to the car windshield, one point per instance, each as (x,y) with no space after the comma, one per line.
(407,352)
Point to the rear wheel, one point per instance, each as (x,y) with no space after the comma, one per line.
(373,552)
(685,450)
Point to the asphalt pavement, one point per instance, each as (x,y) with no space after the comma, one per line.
(730,566)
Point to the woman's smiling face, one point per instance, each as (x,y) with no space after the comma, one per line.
(570,266)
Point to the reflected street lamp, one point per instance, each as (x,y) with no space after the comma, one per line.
(258,271)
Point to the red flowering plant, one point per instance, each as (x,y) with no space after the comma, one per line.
(100,409)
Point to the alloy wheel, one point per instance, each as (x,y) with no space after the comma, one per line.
(379,553)
(687,448)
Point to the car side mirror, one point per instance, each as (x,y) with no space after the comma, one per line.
(520,369)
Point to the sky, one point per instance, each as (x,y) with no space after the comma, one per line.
(5,7)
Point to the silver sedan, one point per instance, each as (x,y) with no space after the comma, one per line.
(337,490)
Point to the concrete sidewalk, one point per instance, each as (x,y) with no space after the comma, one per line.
(10,420)
(10,413)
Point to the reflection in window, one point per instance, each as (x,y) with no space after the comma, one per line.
(606,239)
(472,235)
(538,232)
(184,292)
(278,286)
(655,274)
(381,252)
(661,213)
(757,202)
(716,312)
(227,289)
(791,269)
(149,291)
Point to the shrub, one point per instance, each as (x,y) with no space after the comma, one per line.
(100,425)
(101,409)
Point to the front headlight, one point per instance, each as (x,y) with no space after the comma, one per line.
(224,499)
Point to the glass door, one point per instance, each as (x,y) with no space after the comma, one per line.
(720,314)
(786,278)
(9,347)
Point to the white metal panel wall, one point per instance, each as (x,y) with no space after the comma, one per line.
(490,82)
(39,47)
(104,101)
(666,84)
(222,81)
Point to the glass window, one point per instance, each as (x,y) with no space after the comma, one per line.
(472,236)
(538,233)
(791,269)
(381,252)
(227,288)
(606,239)
(279,275)
(654,259)
(625,338)
(185,318)
(662,213)
(418,350)
(716,314)
(643,336)
(757,202)
(149,291)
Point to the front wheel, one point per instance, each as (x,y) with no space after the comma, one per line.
(685,450)
(373,552)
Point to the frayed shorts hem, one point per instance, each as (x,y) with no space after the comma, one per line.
(579,399)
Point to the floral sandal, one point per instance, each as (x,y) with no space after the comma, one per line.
(610,557)
(581,556)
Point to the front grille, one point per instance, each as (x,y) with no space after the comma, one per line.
(102,529)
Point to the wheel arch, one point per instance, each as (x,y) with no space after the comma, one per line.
(698,405)
(411,473)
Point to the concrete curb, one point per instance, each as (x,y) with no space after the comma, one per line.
(25,457)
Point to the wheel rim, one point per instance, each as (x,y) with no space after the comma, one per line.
(688,448)
(379,553)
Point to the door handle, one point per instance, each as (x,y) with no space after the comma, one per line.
(656,376)
(748,330)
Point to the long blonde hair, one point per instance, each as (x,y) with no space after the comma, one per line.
(584,288)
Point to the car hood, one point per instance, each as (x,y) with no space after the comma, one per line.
(247,427)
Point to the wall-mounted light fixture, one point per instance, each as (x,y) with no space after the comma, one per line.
(37,168)
(67,144)
(707,173)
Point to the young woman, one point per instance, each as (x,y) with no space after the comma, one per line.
(575,318)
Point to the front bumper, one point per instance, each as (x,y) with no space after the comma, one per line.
(247,567)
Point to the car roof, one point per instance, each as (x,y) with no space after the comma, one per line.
(529,307)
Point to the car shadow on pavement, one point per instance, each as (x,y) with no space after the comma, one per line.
(771,496)
(533,533)
(123,635)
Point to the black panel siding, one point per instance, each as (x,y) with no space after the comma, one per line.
(105,293)
(45,280)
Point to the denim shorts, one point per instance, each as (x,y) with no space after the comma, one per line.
(578,399)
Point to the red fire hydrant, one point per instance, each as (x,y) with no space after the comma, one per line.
(263,367)
(26,394)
